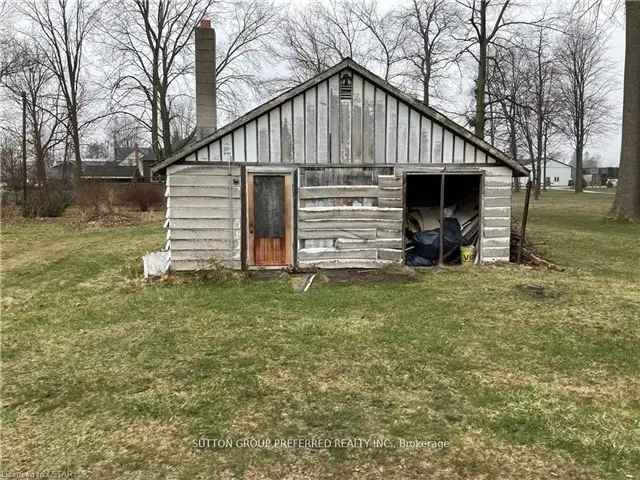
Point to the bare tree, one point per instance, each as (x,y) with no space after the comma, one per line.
(429,48)
(43,105)
(540,99)
(250,28)
(506,84)
(11,172)
(61,29)
(150,39)
(626,205)
(154,42)
(584,87)
(320,35)
(388,32)
(487,18)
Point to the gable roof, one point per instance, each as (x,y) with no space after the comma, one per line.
(347,63)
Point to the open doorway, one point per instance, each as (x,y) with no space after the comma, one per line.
(442,218)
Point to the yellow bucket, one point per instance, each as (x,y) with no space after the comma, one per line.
(468,255)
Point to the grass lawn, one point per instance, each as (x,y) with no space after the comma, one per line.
(104,376)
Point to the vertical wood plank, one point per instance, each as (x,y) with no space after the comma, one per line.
(334,119)
(481,156)
(214,150)
(356,120)
(469,153)
(250,219)
(380,126)
(298,129)
(436,143)
(263,139)
(368,111)
(252,140)
(227,148)
(323,119)
(414,137)
(238,145)
(425,140)
(345,131)
(392,130)
(286,113)
(288,213)
(310,125)
(447,156)
(403,132)
(458,150)
(274,135)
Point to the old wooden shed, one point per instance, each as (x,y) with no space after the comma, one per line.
(333,173)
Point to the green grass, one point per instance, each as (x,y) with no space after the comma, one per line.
(105,376)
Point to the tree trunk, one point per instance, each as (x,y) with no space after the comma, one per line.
(626,205)
(75,138)
(578,184)
(480,89)
(425,91)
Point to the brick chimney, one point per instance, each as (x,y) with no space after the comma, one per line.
(206,103)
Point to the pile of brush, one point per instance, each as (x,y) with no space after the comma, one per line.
(530,256)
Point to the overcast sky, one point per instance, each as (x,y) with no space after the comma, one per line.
(606,146)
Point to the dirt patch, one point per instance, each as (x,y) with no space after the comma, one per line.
(538,291)
(400,275)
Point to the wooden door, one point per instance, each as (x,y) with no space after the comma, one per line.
(270,219)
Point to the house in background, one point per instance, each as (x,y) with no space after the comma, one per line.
(558,174)
(142,158)
(128,164)
(333,173)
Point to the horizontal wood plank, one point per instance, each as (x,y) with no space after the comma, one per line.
(220,170)
(200,181)
(330,253)
(202,244)
(496,232)
(365,234)
(349,243)
(203,202)
(343,191)
(389,202)
(394,255)
(190,265)
(217,213)
(497,201)
(358,224)
(334,213)
(202,234)
(203,223)
(209,255)
(344,263)
(501,221)
(218,192)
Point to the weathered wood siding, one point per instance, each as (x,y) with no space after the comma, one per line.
(319,127)
(349,217)
(203,216)
(496,214)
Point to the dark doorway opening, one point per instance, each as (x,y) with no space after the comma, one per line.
(442,218)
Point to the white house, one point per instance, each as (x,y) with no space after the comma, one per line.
(558,174)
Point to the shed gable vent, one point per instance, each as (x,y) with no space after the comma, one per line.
(346,86)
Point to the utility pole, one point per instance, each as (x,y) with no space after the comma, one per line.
(24,154)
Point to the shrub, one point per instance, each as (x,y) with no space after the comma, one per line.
(144,196)
(50,201)
(96,197)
